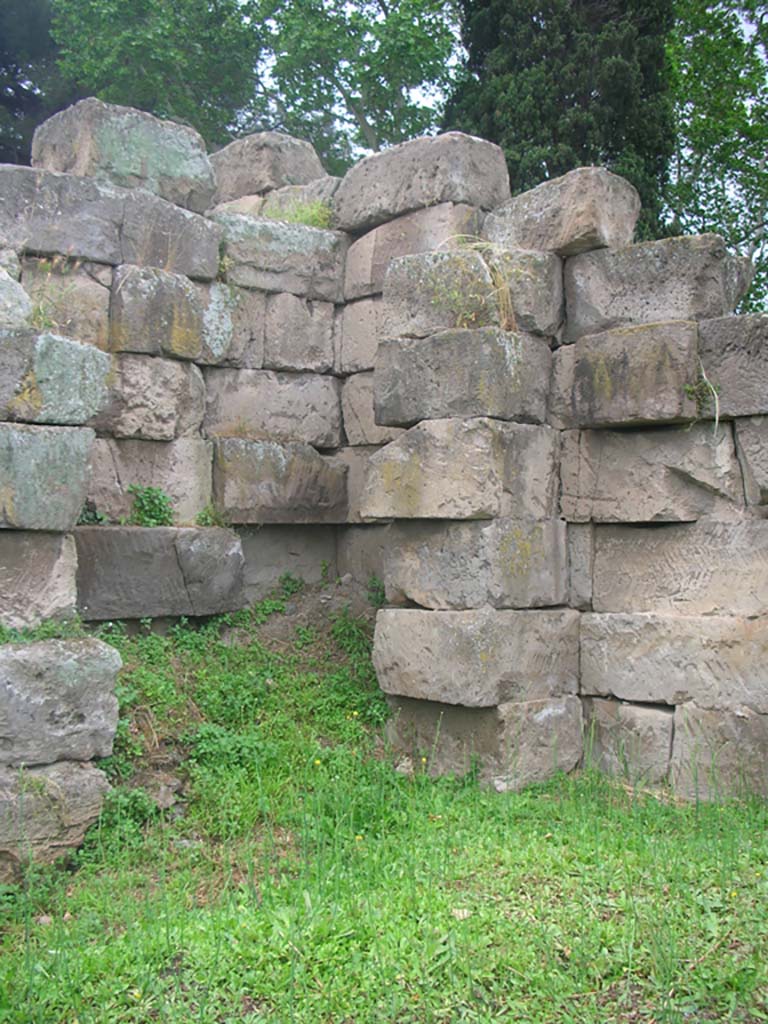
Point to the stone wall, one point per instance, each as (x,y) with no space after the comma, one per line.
(548,440)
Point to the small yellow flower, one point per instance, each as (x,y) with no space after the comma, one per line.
(423,760)
(355,714)
(318,761)
(358,839)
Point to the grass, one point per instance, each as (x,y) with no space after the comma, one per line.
(306,881)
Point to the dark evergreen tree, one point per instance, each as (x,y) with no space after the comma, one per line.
(563,83)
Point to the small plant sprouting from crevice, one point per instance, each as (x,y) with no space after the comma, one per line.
(210,516)
(90,515)
(462,300)
(151,506)
(376,593)
(706,396)
(313,214)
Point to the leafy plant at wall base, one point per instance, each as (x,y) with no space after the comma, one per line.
(376,595)
(90,515)
(151,506)
(210,516)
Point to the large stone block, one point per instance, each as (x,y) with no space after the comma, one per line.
(154,399)
(752,449)
(37,577)
(663,475)
(504,563)
(716,661)
(421,231)
(45,378)
(127,147)
(464,469)
(132,572)
(158,234)
(356,461)
(182,469)
(155,313)
(16,309)
(45,813)
(361,551)
(279,257)
(234,322)
(734,354)
(477,658)
(719,754)
(450,168)
(588,208)
(260,404)
(70,298)
(57,701)
(529,286)
(360,331)
(306,552)
(267,482)
(688,278)
(298,334)
(485,372)
(581,558)
(628,740)
(706,568)
(9,261)
(43,476)
(263,161)
(360,424)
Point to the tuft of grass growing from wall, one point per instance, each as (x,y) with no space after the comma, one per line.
(313,213)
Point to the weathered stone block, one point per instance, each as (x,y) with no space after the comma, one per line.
(306,552)
(628,740)
(449,168)
(70,298)
(464,469)
(716,661)
(260,404)
(9,261)
(421,231)
(16,307)
(717,754)
(530,289)
(485,372)
(293,202)
(588,208)
(688,278)
(263,161)
(581,557)
(43,476)
(734,354)
(57,701)
(45,812)
(267,482)
(752,449)
(182,469)
(706,568)
(37,577)
(360,332)
(664,475)
(477,658)
(157,234)
(538,739)
(279,257)
(127,147)
(298,335)
(234,322)
(155,313)
(45,378)
(361,550)
(154,399)
(357,407)
(356,461)
(132,572)
(504,563)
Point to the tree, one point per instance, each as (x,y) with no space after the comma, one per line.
(562,83)
(718,175)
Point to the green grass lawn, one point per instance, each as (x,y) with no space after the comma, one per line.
(302,879)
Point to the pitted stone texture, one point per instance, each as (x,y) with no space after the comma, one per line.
(182,469)
(250,206)
(9,261)
(504,563)
(734,355)
(16,307)
(57,701)
(688,278)
(45,812)
(261,405)
(515,744)
(306,552)
(37,577)
(155,313)
(356,460)
(43,476)
(532,284)
(127,147)
(298,334)
(717,661)
(581,557)
(706,568)
(357,407)
(132,572)
(752,449)
(361,550)
(421,231)
(433,291)
(477,658)
(82,219)
(291,201)
(628,740)
(717,754)
(588,208)
(485,372)
(360,331)
(449,168)
(663,475)
(154,399)
(71,298)
(234,322)
(45,378)
(263,161)
(267,482)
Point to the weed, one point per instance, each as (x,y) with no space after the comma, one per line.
(226,263)
(290,584)
(210,516)
(706,396)
(90,515)
(376,593)
(151,506)
(313,213)
(49,293)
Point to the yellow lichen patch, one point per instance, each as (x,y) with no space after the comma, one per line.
(404,480)
(184,336)
(516,550)
(7,505)
(601,378)
(28,400)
